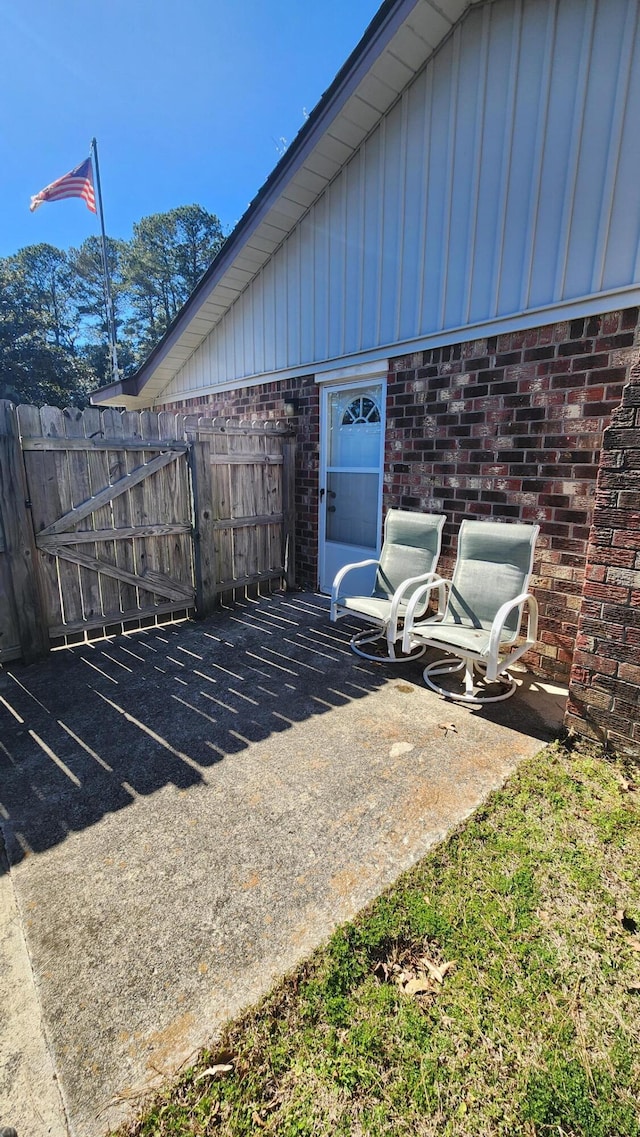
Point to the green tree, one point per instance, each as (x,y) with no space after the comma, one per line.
(48,285)
(54,341)
(91,308)
(164,261)
(39,360)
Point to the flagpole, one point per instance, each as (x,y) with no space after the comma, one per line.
(111,322)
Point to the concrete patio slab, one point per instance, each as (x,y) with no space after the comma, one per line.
(189,810)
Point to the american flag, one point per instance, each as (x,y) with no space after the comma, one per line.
(77,183)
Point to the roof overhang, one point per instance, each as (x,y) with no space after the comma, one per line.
(400,39)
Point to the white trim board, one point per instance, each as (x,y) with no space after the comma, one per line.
(331,370)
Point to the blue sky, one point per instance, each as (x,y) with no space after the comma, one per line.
(188,100)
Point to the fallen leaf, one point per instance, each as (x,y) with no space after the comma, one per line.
(633,989)
(626,785)
(437,973)
(418,986)
(259,1121)
(216,1071)
(634,943)
(448,726)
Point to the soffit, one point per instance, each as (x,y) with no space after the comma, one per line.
(343,128)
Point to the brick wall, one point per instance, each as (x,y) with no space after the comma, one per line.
(604,694)
(510,428)
(264,401)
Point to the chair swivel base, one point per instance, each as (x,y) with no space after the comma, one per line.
(358,641)
(471,694)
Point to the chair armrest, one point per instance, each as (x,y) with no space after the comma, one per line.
(339,577)
(500,619)
(427,580)
(439,582)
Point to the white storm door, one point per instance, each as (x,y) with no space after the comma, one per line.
(352,456)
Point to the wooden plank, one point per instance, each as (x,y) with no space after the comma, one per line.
(150,580)
(79,490)
(43,475)
(121,486)
(222,507)
(99,471)
(135,616)
(124,533)
(204,544)
(154,498)
(28,618)
(98,443)
(9,636)
(289,510)
(254,578)
(53,422)
(251,459)
(129,509)
(8,654)
(241,522)
(210,426)
(246,490)
(179,547)
(273,475)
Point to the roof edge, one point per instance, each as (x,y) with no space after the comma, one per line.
(383,26)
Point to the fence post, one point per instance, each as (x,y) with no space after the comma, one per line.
(20,546)
(289,510)
(204,548)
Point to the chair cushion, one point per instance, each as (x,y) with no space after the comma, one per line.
(453,635)
(375,607)
(411,547)
(493,566)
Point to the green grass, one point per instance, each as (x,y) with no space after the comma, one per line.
(535,1030)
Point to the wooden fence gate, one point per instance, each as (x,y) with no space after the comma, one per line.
(112,519)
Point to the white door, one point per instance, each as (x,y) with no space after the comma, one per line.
(351,464)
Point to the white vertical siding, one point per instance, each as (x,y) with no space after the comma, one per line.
(621,255)
(504,178)
(353,203)
(373,210)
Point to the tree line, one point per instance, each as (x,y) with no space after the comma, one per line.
(54,344)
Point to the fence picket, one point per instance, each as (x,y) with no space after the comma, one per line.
(22,628)
(114,510)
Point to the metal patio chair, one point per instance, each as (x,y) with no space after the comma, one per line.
(480,623)
(408,559)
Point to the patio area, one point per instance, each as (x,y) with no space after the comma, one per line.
(189,810)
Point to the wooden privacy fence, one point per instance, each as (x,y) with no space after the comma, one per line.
(111,519)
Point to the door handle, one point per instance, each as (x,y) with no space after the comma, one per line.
(331,509)
(331,493)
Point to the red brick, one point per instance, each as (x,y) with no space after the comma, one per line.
(629,672)
(594,664)
(462,436)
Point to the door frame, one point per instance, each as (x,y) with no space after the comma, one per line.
(327,388)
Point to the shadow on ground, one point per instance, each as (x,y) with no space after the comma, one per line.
(84,733)
(91,728)
(188,812)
